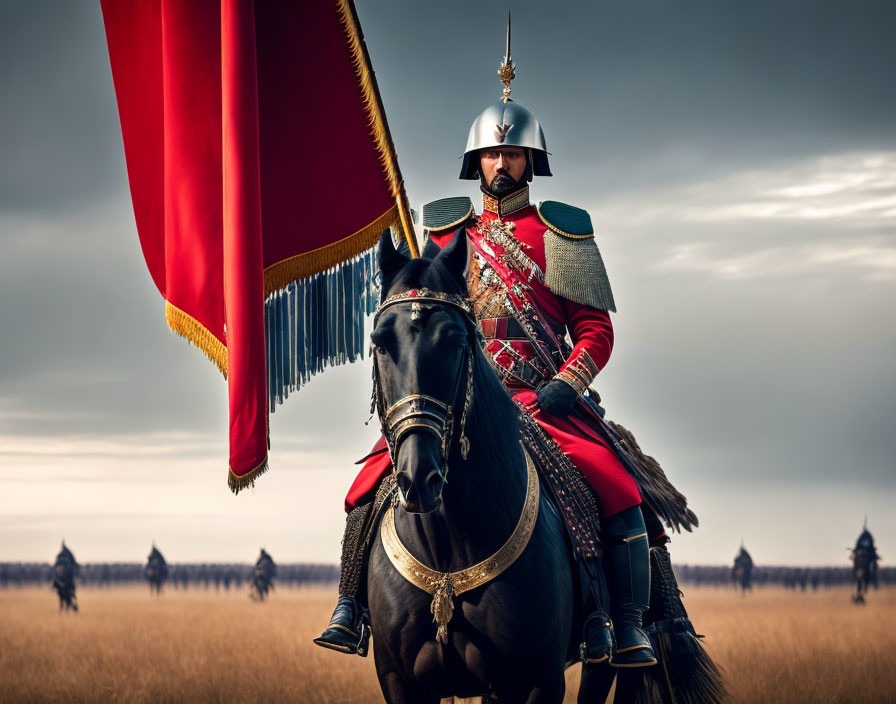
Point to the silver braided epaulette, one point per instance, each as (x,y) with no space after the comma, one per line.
(575,270)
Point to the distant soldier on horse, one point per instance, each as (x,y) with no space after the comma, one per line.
(156,570)
(65,570)
(864,564)
(742,572)
(262,576)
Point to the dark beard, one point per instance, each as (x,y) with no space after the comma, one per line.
(501,185)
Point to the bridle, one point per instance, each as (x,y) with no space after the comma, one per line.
(420,411)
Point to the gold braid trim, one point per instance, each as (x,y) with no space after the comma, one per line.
(278,275)
(195,332)
(238,482)
(444,586)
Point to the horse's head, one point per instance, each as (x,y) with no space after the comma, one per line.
(424,345)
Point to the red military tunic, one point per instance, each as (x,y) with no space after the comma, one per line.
(507,265)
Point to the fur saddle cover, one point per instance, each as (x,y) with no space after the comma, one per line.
(669,504)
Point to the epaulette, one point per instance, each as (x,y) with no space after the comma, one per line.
(566,220)
(446,213)
(574,268)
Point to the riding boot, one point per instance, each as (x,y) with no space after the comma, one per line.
(597,636)
(349,628)
(628,559)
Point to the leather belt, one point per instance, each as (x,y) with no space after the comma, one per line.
(502,329)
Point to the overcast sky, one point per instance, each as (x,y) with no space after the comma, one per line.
(739,163)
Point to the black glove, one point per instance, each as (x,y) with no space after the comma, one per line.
(557,398)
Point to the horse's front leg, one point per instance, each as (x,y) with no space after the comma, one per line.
(396,688)
(628,682)
(597,680)
(546,693)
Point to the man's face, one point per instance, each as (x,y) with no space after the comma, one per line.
(502,167)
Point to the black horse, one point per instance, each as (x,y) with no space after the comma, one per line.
(65,570)
(156,571)
(263,574)
(511,637)
(742,572)
(461,475)
(864,565)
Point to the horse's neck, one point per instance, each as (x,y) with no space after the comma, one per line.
(481,504)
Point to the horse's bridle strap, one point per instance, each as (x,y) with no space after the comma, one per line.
(425,296)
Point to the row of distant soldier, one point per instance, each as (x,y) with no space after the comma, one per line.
(157,572)
(864,573)
(865,570)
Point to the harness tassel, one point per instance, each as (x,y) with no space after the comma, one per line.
(442,607)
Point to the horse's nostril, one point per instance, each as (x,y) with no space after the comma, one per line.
(435,480)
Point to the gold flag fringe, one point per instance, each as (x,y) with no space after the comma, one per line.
(196,333)
(238,482)
(285,272)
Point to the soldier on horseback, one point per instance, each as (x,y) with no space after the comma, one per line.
(156,570)
(65,569)
(742,572)
(263,575)
(535,276)
(864,564)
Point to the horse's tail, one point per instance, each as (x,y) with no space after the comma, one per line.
(684,674)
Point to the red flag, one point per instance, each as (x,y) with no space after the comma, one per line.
(261,172)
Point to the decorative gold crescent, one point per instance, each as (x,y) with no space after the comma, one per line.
(444,586)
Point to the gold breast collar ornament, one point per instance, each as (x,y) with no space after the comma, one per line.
(444,586)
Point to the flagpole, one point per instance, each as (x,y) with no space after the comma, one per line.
(347,9)
(407,222)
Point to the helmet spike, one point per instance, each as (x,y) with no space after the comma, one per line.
(506,70)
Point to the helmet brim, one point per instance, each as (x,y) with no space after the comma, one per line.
(469,169)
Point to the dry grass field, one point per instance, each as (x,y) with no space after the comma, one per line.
(775,646)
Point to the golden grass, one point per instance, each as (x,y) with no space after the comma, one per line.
(197,646)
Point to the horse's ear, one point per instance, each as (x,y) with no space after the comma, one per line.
(454,255)
(390,260)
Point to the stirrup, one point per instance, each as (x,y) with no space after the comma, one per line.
(597,645)
(344,640)
(351,640)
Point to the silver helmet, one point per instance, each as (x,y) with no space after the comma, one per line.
(506,124)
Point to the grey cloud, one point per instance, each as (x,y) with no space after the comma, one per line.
(672,123)
(59,135)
